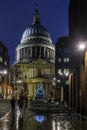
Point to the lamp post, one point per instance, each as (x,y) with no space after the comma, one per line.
(57,85)
(3,89)
(54,86)
(62,83)
(16,81)
(17,87)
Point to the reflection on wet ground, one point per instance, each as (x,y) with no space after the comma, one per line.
(56,122)
(46,121)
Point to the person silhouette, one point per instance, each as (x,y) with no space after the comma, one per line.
(12,102)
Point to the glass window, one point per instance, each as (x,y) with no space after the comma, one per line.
(59,60)
(66,50)
(66,72)
(66,59)
(67,82)
(59,71)
(0,59)
(5,62)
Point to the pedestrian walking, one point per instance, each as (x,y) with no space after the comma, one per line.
(12,102)
(26,101)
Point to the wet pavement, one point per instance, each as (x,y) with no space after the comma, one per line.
(55,122)
(28,120)
(46,121)
(5,108)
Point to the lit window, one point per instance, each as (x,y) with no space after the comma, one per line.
(59,71)
(67,82)
(5,62)
(0,59)
(66,60)
(59,60)
(66,72)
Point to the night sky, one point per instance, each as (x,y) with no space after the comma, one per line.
(17,15)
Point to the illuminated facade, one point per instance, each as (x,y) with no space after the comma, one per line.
(35,58)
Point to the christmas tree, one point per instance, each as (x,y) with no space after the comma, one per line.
(40,93)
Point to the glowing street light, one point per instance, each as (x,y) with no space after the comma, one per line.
(82,46)
(3,90)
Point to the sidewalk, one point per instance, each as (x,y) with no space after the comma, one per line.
(5,109)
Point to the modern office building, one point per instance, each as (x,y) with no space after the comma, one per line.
(35,60)
(63,65)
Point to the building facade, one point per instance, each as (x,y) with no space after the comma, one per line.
(63,65)
(35,58)
(5,88)
(78,87)
(78,19)
(78,34)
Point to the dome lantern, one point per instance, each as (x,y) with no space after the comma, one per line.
(36,16)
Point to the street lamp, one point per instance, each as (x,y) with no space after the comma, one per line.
(56,86)
(3,89)
(82,46)
(62,82)
(17,87)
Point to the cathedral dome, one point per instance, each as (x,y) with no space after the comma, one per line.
(35,43)
(36,32)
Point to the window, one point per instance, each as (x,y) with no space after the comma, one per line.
(66,50)
(59,60)
(39,71)
(59,71)
(0,59)
(5,62)
(66,60)
(66,72)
